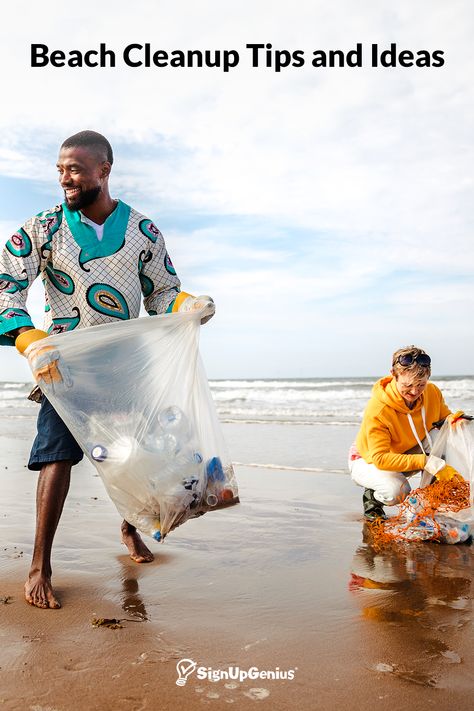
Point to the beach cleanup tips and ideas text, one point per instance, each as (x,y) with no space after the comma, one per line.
(257,56)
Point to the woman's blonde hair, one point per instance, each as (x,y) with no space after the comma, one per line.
(416,369)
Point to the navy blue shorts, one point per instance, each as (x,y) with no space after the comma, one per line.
(54,442)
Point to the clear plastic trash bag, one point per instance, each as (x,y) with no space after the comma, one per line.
(136,398)
(454,444)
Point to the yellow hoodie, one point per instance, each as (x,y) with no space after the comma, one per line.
(385,434)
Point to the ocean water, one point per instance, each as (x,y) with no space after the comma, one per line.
(324,401)
(330,401)
(305,424)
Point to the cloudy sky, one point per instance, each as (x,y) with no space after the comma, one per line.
(328,211)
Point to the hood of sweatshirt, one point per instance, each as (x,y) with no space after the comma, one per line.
(385,391)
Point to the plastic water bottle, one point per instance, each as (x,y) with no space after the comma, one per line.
(158,446)
(453,535)
(226,494)
(174,421)
(214,473)
(427,524)
(414,507)
(217,489)
(179,498)
(422,531)
(148,523)
(99,453)
(171,444)
(214,469)
(186,464)
(453,531)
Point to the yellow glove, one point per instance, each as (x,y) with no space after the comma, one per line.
(43,361)
(188,302)
(455,417)
(448,473)
(438,468)
(26,338)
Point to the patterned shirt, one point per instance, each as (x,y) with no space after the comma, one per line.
(87,281)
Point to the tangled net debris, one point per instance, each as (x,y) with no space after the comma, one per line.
(427,515)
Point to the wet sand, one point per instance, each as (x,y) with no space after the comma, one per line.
(284,580)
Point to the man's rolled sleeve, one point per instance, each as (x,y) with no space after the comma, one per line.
(159,281)
(20,264)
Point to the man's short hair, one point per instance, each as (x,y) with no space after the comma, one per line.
(92,140)
(418,370)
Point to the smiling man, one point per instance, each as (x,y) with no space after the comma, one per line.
(81,180)
(98,258)
(396,435)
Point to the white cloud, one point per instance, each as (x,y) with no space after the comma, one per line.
(365,173)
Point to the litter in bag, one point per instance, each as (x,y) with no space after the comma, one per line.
(136,398)
(439,511)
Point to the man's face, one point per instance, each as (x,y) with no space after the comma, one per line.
(410,387)
(81,175)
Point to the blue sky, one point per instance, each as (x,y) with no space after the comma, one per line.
(328,212)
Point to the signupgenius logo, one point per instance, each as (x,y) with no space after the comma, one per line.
(185,667)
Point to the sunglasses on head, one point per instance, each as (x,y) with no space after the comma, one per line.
(407,359)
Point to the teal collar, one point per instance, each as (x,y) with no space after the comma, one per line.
(85,236)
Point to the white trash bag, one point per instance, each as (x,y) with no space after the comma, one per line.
(454,444)
(136,398)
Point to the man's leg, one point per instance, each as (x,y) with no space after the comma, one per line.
(53,486)
(53,453)
(136,547)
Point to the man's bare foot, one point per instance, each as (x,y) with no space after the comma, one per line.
(137,549)
(39,592)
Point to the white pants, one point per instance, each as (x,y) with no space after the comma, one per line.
(389,488)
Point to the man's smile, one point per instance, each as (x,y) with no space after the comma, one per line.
(72,192)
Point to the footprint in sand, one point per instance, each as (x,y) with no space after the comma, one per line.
(257,694)
(382,667)
(451,656)
(406,674)
(78,666)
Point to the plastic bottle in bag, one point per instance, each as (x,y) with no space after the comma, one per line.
(424,530)
(149,430)
(174,422)
(150,524)
(453,531)
(217,490)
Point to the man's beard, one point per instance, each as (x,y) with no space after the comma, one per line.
(84,199)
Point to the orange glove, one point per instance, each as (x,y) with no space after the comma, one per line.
(43,360)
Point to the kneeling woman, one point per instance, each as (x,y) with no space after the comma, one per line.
(396,435)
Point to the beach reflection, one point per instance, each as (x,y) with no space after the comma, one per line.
(132,602)
(415,601)
(419,578)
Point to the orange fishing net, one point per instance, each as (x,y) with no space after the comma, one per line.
(424,516)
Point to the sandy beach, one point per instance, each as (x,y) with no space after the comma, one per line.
(275,583)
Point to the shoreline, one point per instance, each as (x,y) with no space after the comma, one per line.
(265,584)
